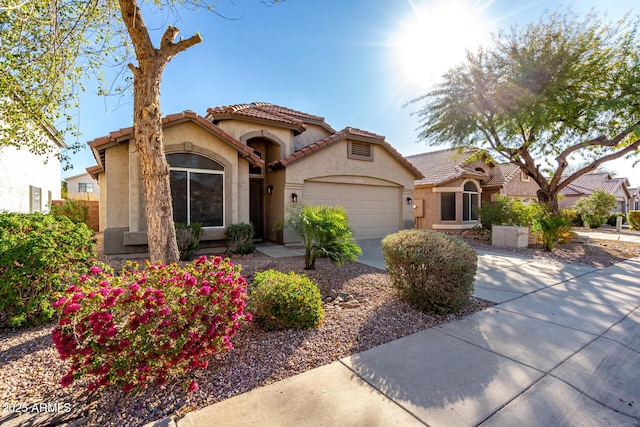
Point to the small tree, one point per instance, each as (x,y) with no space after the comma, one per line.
(595,209)
(325,233)
(508,211)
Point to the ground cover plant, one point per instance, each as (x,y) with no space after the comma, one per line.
(39,255)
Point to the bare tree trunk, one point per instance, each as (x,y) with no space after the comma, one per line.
(147,123)
(549,199)
(148,139)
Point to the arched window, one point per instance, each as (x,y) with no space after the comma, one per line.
(197,189)
(470,202)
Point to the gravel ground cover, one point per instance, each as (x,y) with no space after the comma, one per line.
(30,368)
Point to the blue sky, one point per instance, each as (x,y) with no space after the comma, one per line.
(354,62)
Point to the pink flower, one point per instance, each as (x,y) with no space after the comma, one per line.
(134,287)
(59,302)
(128,387)
(95,270)
(193,386)
(66,380)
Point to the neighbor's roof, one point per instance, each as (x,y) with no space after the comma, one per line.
(439,167)
(346,133)
(98,145)
(501,174)
(266,113)
(586,184)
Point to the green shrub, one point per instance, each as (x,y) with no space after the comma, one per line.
(325,233)
(553,229)
(147,326)
(239,238)
(634,220)
(431,270)
(39,255)
(508,211)
(571,216)
(188,238)
(285,301)
(73,209)
(612,220)
(595,209)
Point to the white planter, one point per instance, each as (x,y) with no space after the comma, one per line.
(509,236)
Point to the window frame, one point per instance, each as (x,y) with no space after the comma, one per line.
(188,189)
(468,213)
(86,186)
(442,206)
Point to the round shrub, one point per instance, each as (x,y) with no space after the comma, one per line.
(285,301)
(432,271)
(148,325)
(613,219)
(39,255)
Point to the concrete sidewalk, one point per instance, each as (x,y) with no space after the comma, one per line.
(562,347)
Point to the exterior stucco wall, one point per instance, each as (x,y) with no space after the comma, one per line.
(124,198)
(244,131)
(314,133)
(20,169)
(117,186)
(332,164)
(519,189)
(429,197)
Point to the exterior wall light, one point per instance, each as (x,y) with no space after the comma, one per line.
(409,200)
(270,189)
(294,198)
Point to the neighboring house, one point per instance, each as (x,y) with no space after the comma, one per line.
(28,181)
(82,186)
(586,184)
(247,163)
(635,199)
(456,181)
(507,179)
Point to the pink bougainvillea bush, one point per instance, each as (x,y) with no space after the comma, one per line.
(147,325)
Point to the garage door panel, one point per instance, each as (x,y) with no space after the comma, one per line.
(374,211)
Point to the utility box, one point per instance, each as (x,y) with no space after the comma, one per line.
(509,236)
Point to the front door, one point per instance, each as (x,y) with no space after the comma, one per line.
(256,209)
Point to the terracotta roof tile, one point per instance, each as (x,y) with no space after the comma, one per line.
(501,174)
(346,133)
(99,144)
(586,184)
(442,166)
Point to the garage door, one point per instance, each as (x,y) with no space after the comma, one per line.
(374,211)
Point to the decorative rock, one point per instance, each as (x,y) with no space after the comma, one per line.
(333,293)
(350,304)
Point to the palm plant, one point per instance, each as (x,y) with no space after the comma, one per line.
(325,233)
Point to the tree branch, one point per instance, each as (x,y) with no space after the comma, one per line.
(137,29)
(168,48)
(594,165)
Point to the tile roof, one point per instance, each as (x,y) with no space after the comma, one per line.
(266,112)
(502,174)
(98,145)
(346,133)
(442,166)
(586,184)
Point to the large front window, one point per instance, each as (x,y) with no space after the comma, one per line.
(197,189)
(470,202)
(448,206)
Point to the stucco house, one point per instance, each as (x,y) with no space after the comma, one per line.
(586,184)
(247,163)
(456,181)
(82,186)
(30,181)
(635,199)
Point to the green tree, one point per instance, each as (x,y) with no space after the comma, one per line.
(47,49)
(325,233)
(595,209)
(559,91)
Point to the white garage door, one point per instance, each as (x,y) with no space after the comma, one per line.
(374,211)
